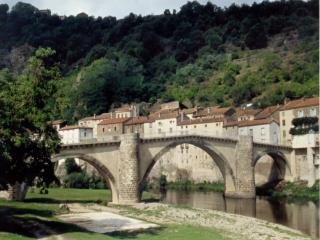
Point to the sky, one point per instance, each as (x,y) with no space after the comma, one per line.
(117,8)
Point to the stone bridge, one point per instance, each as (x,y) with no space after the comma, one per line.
(126,162)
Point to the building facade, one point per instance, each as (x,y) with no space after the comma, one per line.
(75,134)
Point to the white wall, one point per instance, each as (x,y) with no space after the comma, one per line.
(76,135)
(266,133)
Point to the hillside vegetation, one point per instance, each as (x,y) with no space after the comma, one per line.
(201,54)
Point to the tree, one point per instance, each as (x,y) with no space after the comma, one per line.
(256,38)
(28,103)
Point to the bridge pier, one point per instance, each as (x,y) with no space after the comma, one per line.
(128,181)
(244,185)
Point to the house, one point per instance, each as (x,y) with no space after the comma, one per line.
(126,111)
(164,121)
(58,124)
(93,121)
(210,126)
(301,108)
(75,134)
(175,105)
(269,112)
(109,127)
(226,113)
(137,124)
(246,114)
(262,130)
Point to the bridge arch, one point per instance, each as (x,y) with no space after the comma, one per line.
(102,169)
(215,154)
(280,163)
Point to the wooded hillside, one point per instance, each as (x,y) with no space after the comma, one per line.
(201,54)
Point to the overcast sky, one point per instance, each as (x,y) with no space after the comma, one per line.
(117,8)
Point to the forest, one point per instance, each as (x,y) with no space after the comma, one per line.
(198,54)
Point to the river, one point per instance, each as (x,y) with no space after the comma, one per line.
(302,216)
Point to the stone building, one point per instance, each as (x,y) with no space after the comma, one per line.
(93,121)
(262,130)
(137,124)
(210,126)
(126,111)
(246,114)
(305,107)
(110,127)
(75,134)
(230,129)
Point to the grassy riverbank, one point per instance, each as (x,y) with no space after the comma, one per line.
(190,186)
(297,191)
(37,215)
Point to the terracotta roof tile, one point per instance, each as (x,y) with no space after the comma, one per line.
(257,122)
(114,121)
(301,103)
(98,117)
(230,123)
(209,111)
(139,120)
(71,127)
(247,111)
(199,121)
(267,112)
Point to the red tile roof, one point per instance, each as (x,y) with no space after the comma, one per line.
(209,111)
(267,112)
(164,115)
(301,103)
(139,120)
(247,111)
(72,127)
(114,121)
(230,123)
(200,121)
(257,122)
(98,117)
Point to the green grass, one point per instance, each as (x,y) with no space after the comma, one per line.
(44,208)
(298,191)
(190,186)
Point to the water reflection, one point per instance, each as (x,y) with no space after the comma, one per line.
(301,216)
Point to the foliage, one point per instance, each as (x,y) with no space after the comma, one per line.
(28,103)
(205,54)
(298,190)
(304,121)
(78,178)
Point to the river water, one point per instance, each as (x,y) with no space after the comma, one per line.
(302,216)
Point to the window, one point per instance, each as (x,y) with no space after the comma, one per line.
(283,122)
(181,127)
(115,128)
(251,132)
(206,125)
(217,124)
(263,131)
(186,126)
(300,113)
(85,133)
(284,133)
(195,126)
(102,129)
(313,112)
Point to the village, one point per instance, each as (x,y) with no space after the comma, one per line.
(294,124)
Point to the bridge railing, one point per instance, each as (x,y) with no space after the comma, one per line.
(193,132)
(186,133)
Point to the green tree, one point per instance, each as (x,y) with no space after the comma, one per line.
(28,104)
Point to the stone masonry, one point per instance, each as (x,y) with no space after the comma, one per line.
(127,162)
(128,169)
